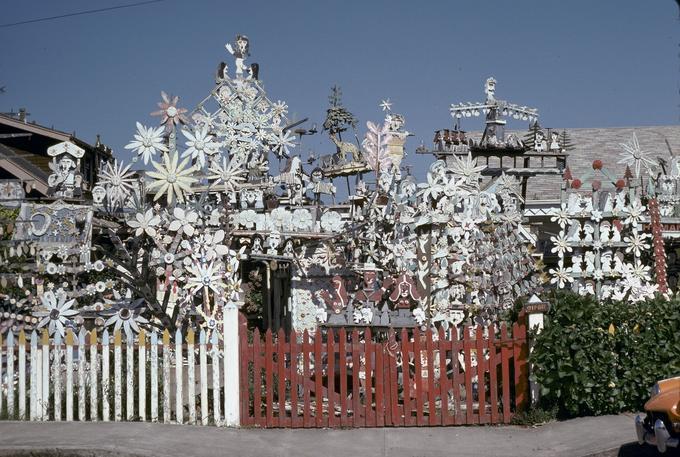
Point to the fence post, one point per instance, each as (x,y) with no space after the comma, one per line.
(230,328)
(520,360)
(535,310)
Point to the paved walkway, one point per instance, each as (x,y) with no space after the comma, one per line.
(578,437)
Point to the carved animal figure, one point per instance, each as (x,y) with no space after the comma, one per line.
(346,148)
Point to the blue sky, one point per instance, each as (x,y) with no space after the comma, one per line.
(581,63)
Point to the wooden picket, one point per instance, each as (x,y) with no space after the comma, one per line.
(404,378)
(101,376)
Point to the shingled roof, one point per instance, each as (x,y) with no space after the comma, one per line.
(605,144)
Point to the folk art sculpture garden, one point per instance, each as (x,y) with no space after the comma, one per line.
(223,277)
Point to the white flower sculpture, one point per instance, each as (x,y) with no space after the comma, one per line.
(200,145)
(172,179)
(184,221)
(118,181)
(145,223)
(147,142)
(57,311)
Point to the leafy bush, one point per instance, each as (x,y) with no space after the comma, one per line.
(601,357)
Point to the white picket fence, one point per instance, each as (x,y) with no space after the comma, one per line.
(89,378)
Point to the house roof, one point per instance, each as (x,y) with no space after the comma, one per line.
(603,144)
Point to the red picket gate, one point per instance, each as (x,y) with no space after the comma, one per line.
(340,378)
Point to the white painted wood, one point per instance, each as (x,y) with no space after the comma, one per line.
(179,362)
(203,359)
(69,377)
(82,365)
(130,377)
(11,400)
(154,376)
(9,384)
(191,375)
(22,376)
(231,365)
(106,372)
(34,376)
(141,357)
(117,378)
(215,355)
(57,376)
(94,375)
(45,382)
(166,378)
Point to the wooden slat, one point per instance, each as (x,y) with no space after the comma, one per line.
(434,418)
(467,348)
(330,350)
(282,420)
(369,413)
(521,354)
(106,373)
(481,375)
(129,377)
(203,361)
(245,359)
(153,365)
(419,391)
(33,379)
(215,356)
(296,421)
(493,377)
(378,352)
(69,375)
(306,350)
(22,376)
(406,418)
(356,368)
(505,369)
(444,347)
(167,409)
(44,411)
(318,379)
(269,377)
(342,349)
(179,378)
(82,362)
(9,351)
(191,376)
(457,346)
(141,369)
(94,375)
(117,381)
(257,380)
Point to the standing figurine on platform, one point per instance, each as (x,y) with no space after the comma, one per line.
(240,53)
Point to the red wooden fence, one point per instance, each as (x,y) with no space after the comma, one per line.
(350,378)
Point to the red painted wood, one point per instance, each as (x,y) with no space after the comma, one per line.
(257,379)
(444,348)
(369,370)
(467,347)
(481,376)
(493,377)
(457,345)
(306,349)
(244,359)
(389,364)
(434,417)
(318,380)
(379,386)
(296,421)
(356,368)
(330,349)
(281,374)
(521,354)
(406,418)
(342,340)
(418,377)
(269,378)
(505,369)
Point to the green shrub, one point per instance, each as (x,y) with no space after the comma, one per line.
(601,357)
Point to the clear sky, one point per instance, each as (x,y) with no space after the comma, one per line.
(582,63)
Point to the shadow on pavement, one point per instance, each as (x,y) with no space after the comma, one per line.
(635,450)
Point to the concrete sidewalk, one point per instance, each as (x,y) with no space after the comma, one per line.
(577,437)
